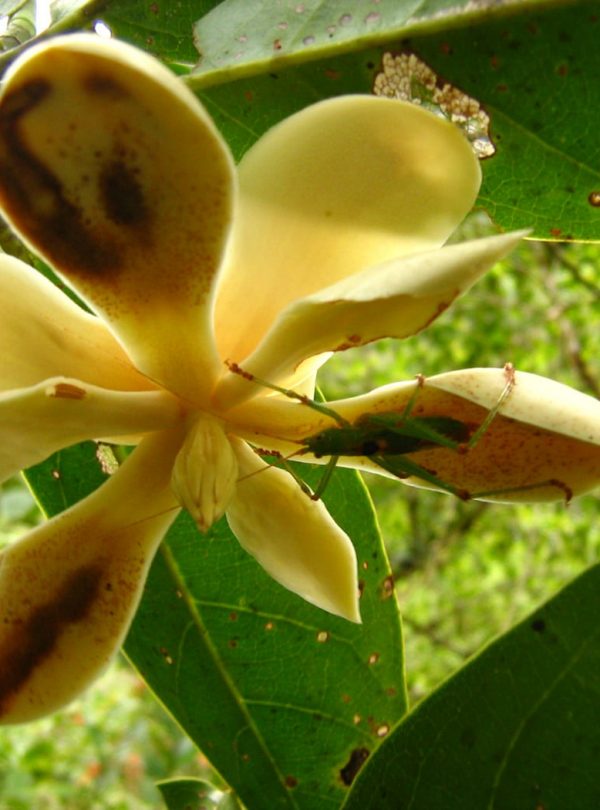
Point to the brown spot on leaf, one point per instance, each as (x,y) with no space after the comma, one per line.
(35,638)
(358,757)
(387,587)
(594,198)
(291,782)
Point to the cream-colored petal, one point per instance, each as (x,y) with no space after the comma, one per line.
(345,184)
(543,444)
(44,334)
(293,537)
(112,170)
(69,589)
(56,413)
(397,299)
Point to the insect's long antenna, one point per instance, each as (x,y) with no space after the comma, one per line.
(288,392)
(284,461)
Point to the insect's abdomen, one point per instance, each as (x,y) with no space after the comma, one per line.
(386,434)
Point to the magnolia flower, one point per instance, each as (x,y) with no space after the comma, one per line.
(328,235)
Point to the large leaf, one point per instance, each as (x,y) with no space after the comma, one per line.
(286,700)
(239,38)
(518,727)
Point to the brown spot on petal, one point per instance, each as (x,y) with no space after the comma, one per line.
(34,197)
(122,195)
(34,639)
(66,391)
(100,84)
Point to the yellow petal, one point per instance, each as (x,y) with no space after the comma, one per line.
(69,589)
(205,472)
(111,169)
(56,413)
(345,184)
(293,537)
(44,334)
(397,299)
(542,445)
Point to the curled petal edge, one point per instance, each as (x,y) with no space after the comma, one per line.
(396,299)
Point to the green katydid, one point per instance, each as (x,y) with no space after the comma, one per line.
(387,438)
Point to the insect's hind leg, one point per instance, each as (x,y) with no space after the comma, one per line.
(509,376)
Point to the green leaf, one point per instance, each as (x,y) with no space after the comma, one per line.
(517,727)
(238,38)
(196,794)
(251,36)
(286,700)
(164,29)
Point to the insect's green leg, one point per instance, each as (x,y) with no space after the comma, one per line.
(325,478)
(289,469)
(403,467)
(289,392)
(509,375)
